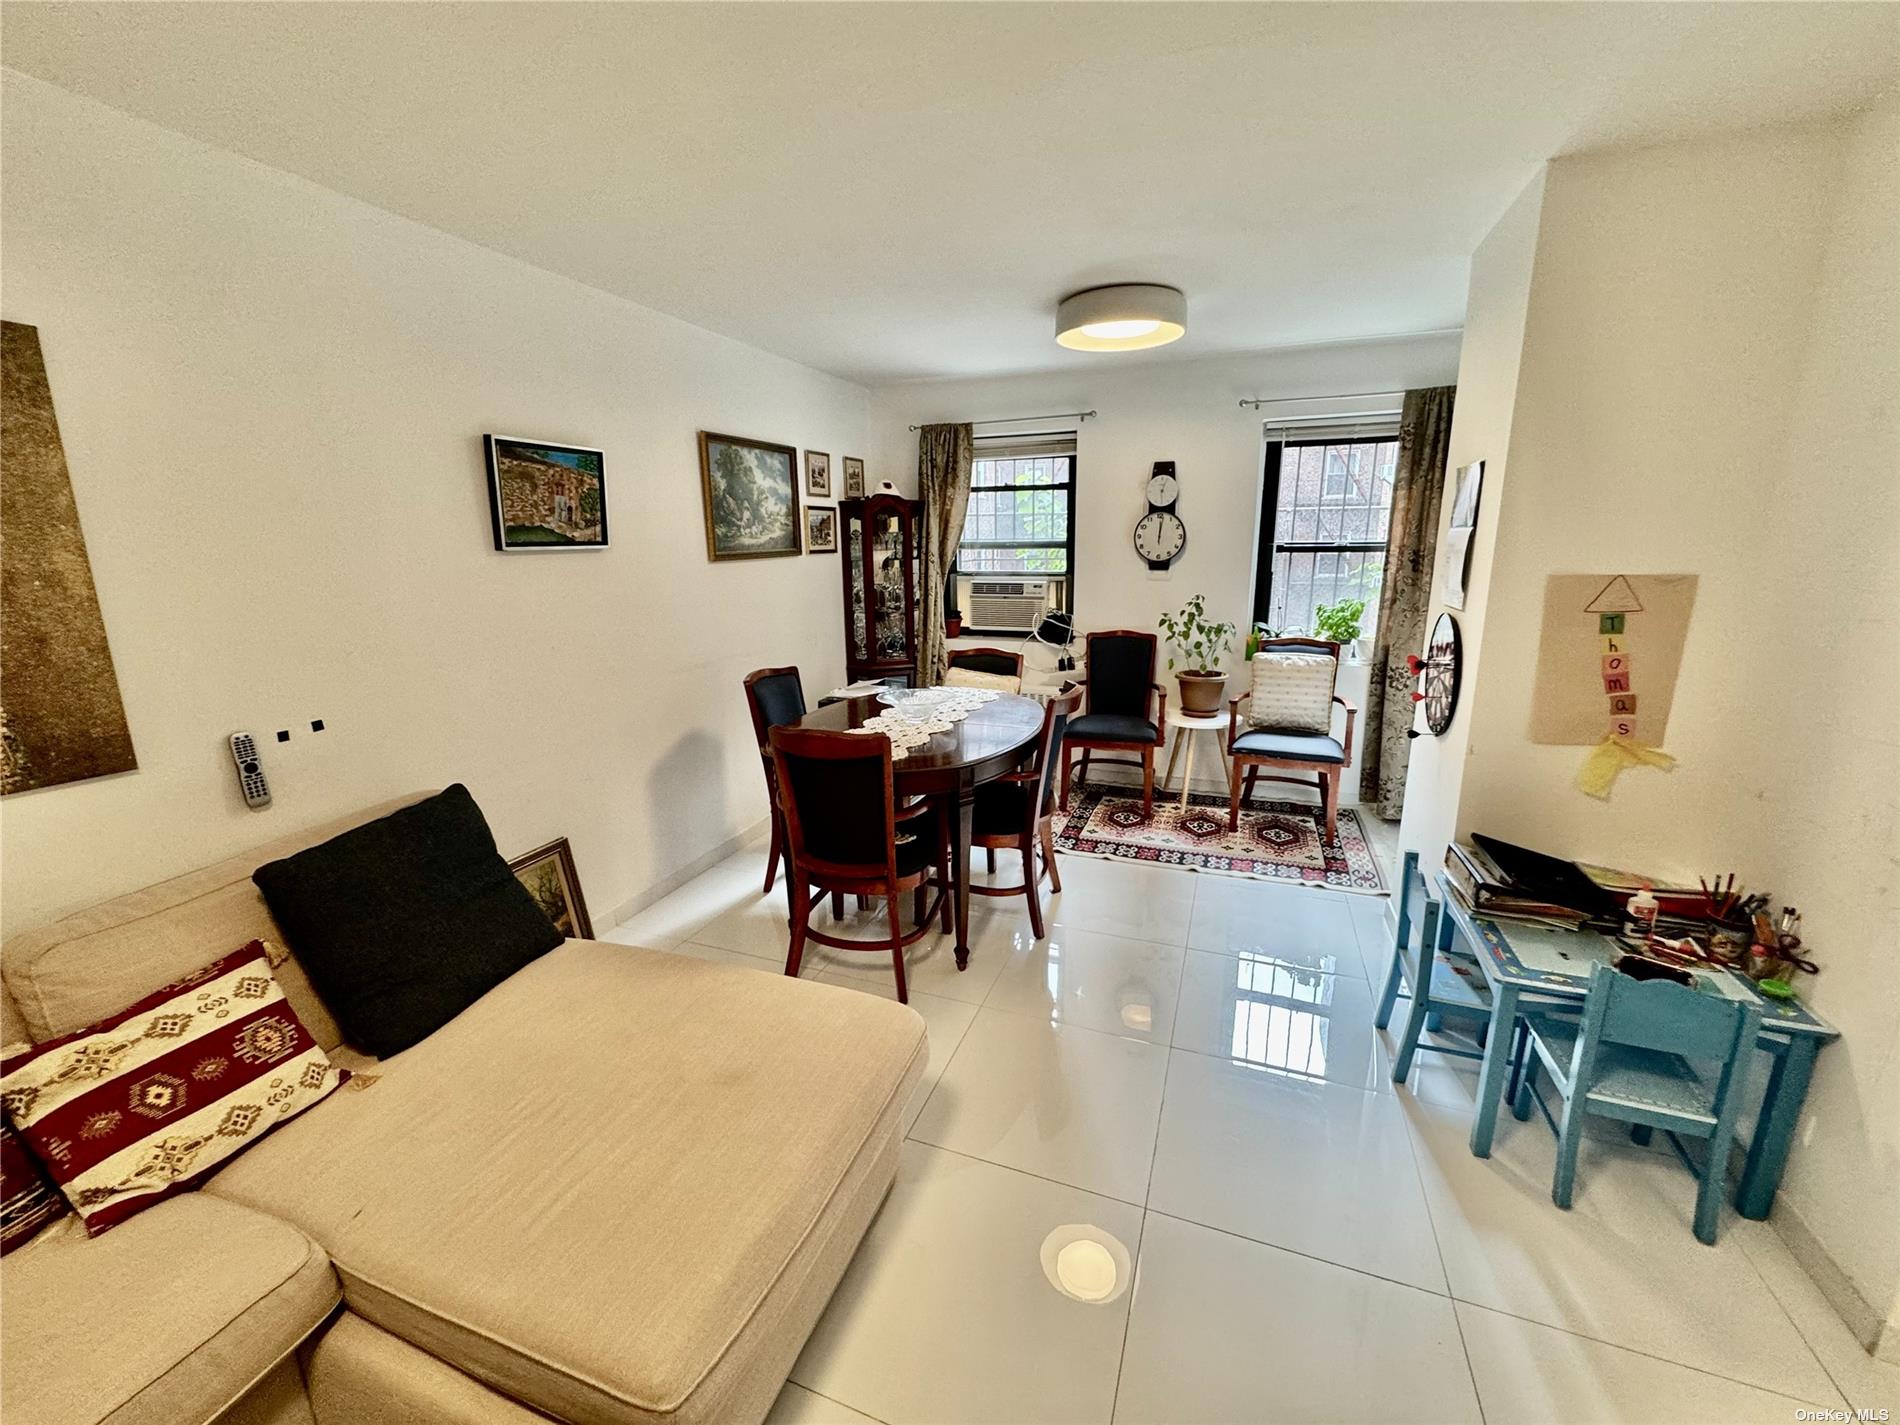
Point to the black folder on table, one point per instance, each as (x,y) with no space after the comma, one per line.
(1549,878)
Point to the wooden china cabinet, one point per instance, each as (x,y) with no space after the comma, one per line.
(881,540)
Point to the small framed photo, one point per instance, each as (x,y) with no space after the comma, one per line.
(817,475)
(548,873)
(821,529)
(543,496)
(853,478)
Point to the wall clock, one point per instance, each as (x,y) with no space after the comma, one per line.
(1438,674)
(1159,535)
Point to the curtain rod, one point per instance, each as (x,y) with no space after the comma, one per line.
(1258,401)
(1006,420)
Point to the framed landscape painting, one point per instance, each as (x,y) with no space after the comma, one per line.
(543,496)
(751,489)
(548,873)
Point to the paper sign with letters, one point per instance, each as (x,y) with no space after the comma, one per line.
(1648,616)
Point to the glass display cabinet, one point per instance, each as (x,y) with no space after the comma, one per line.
(881,541)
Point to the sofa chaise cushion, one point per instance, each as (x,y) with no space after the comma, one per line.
(166,1320)
(619,1187)
(407,920)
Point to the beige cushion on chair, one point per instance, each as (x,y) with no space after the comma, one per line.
(1293,692)
(619,1187)
(975,678)
(164,1320)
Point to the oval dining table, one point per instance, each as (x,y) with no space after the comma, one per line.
(992,740)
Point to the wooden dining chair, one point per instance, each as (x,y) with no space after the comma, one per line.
(1017,811)
(775,697)
(1126,709)
(1254,742)
(991,662)
(844,835)
(1634,1058)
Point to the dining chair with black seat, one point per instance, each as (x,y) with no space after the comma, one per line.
(776,698)
(1125,709)
(1288,726)
(845,835)
(993,667)
(1017,811)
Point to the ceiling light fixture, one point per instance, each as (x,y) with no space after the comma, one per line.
(1129,317)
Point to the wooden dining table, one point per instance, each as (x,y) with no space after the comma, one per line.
(992,740)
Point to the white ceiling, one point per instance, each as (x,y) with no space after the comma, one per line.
(893,191)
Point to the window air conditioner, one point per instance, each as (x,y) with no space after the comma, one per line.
(1008,603)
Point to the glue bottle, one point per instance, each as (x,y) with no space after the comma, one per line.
(1642,911)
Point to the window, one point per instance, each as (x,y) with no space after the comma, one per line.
(1327,507)
(1020,523)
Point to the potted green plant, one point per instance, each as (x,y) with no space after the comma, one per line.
(1200,644)
(1340,622)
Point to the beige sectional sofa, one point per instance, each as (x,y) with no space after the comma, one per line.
(618,1188)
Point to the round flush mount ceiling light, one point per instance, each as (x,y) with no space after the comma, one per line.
(1129,317)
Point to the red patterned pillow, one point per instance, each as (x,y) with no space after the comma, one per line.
(28,1199)
(146,1103)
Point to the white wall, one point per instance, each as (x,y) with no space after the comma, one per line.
(1707,384)
(1495,310)
(272,400)
(1184,411)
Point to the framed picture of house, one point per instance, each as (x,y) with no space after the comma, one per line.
(817,475)
(543,496)
(853,478)
(751,489)
(821,529)
(548,873)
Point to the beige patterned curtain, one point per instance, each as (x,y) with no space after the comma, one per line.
(943,483)
(1405,598)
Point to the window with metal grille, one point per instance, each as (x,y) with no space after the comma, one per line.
(1326,511)
(1021,514)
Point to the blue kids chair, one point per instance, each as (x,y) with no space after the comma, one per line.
(1633,1058)
(1441,983)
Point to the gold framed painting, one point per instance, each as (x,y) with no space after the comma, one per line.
(548,873)
(751,489)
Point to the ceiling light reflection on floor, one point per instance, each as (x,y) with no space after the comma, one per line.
(1086,1264)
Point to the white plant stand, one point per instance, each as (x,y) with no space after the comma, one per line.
(1185,725)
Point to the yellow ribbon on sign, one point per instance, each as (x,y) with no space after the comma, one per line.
(1614,756)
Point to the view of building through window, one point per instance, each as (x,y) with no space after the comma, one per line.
(1331,504)
(1018,519)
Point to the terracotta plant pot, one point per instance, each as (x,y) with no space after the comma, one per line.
(953,626)
(1201,692)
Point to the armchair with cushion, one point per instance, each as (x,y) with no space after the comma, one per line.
(1126,709)
(1288,725)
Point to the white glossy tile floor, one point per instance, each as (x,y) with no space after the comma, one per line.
(1157,1171)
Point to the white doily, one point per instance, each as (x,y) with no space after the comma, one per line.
(924,713)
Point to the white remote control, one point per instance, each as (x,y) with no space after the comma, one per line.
(250,770)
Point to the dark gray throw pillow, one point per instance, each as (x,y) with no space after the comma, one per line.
(406,921)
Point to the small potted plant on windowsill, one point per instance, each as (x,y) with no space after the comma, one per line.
(1200,644)
(1340,623)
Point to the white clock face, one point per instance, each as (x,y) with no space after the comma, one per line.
(1162,489)
(1159,536)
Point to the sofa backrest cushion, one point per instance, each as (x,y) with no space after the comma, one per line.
(94,962)
(406,921)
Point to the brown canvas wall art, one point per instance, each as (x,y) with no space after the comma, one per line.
(61,719)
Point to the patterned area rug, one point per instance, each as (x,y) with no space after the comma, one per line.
(1277,841)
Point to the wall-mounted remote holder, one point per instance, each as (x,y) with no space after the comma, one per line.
(250,771)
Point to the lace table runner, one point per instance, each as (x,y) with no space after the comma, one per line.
(924,712)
